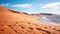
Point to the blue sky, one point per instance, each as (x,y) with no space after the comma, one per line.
(33,6)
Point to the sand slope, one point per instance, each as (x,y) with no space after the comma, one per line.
(12,22)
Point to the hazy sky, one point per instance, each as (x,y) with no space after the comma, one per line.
(33,6)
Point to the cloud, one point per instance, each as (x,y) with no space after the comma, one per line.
(22,5)
(52,7)
(40,4)
(4,4)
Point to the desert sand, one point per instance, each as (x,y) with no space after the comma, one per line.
(13,22)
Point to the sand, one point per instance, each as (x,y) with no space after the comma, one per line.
(13,22)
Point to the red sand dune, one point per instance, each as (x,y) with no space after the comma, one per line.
(12,22)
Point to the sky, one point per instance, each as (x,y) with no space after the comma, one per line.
(33,6)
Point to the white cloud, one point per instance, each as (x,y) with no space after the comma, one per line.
(40,5)
(52,8)
(22,5)
(4,4)
(51,5)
